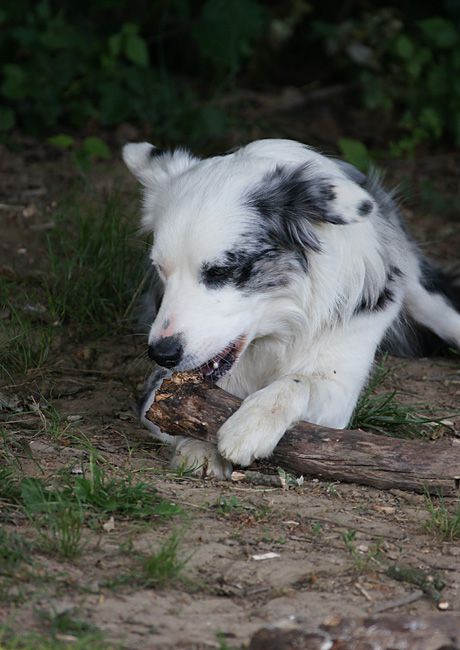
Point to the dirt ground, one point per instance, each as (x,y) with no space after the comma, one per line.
(333,542)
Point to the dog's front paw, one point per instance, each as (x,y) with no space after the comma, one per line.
(250,433)
(201,459)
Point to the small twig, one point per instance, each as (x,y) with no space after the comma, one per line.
(361,589)
(398,602)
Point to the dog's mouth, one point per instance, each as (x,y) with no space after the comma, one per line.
(219,365)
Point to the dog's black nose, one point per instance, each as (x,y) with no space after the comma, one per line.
(166,352)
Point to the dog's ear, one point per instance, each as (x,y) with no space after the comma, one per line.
(151,165)
(291,199)
(304,193)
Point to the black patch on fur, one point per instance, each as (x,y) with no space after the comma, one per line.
(155,152)
(436,281)
(327,192)
(247,270)
(288,201)
(383,299)
(284,200)
(394,270)
(365,208)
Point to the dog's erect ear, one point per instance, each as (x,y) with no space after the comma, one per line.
(150,165)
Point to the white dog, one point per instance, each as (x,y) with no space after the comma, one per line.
(281,273)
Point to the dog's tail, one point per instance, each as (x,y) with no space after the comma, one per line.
(430,319)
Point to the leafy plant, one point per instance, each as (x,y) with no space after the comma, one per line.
(406,67)
(356,153)
(76,64)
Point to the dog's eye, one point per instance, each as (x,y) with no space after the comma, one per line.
(216,275)
(217,272)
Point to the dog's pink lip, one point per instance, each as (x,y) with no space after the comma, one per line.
(221,363)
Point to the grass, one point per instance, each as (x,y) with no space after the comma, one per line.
(384,413)
(158,569)
(14,550)
(9,486)
(444,524)
(125,497)
(164,566)
(57,516)
(24,345)
(30,641)
(65,623)
(93,273)
(95,263)
(225,506)
(362,561)
(59,513)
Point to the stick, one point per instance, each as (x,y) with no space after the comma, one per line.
(184,405)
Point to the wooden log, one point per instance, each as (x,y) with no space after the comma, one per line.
(185,405)
(435,632)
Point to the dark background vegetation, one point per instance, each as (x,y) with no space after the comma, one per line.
(184,70)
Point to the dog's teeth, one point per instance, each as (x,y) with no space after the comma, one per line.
(215,365)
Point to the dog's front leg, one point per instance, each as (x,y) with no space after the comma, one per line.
(255,429)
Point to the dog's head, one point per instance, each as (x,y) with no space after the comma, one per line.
(233,236)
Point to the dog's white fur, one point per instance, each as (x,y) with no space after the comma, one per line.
(310,342)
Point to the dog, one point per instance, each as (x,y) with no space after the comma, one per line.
(279,273)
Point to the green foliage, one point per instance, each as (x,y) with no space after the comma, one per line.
(408,67)
(93,63)
(356,153)
(226,31)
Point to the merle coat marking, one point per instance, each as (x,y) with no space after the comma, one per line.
(279,272)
